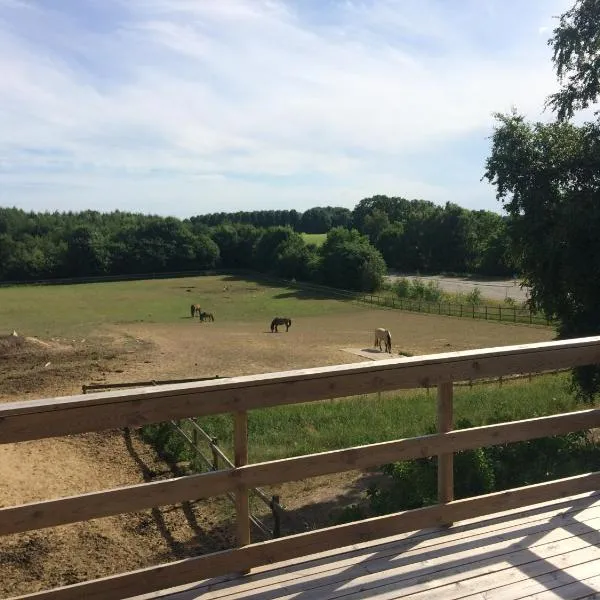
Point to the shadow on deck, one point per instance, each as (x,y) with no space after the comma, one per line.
(547,551)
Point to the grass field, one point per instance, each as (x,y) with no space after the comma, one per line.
(318,427)
(79,309)
(314,238)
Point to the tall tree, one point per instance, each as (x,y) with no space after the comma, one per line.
(576,57)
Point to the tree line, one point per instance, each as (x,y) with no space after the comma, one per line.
(382,231)
(45,246)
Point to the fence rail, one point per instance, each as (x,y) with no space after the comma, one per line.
(21,421)
(273,503)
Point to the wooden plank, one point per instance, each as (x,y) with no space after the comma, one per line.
(529,573)
(38,419)
(416,568)
(50,513)
(242,505)
(272,551)
(441,575)
(508,536)
(577,590)
(445,465)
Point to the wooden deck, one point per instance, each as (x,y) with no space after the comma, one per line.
(551,550)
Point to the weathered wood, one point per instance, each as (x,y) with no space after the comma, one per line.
(294,546)
(104,503)
(31,420)
(445,466)
(242,505)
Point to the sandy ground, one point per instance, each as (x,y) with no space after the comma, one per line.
(64,466)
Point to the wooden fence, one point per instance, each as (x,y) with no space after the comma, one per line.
(274,502)
(32,420)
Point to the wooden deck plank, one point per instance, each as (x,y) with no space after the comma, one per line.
(534,522)
(439,579)
(578,590)
(402,543)
(565,573)
(547,544)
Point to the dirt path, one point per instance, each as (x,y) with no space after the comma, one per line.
(76,464)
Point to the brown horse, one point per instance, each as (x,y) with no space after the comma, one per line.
(206,316)
(280,321)
(194,309)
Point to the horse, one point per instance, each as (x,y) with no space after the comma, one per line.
(206,316)
(194,309)
(386,336)
(280,321)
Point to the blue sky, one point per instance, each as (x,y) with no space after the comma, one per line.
(181,107)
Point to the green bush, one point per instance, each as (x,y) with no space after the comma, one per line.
(474,296)
(168,442)
(413,484)
(418,290)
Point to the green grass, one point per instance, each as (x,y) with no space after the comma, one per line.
(314,238)
(79,309)
(320,426)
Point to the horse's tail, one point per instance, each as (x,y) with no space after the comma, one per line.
(389,340)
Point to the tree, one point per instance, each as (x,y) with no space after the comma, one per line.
(87,253)
(576,58)
(349,261)
(548,178)
(315,220)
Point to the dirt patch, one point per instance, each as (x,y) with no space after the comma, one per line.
(139,351)
(31,367)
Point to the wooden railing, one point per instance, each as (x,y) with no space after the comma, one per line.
(21,421)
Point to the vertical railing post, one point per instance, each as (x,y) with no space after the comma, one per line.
(242,508)
(276,511)
(445,461)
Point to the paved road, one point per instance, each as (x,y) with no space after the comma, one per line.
(493,290)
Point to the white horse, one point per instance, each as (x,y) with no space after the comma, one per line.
(384,335)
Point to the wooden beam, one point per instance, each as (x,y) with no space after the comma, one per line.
(38,419)
(50,513)
(220,563)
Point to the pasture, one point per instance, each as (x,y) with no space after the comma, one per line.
(142,330)
(314,238)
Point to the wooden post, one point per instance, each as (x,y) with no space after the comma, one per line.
(445,461)
(242,507)
(275,509)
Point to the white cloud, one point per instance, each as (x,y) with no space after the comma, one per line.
(257,89)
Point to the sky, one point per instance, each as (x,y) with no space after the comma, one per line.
(185,107)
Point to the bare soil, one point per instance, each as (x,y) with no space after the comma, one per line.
(31,471)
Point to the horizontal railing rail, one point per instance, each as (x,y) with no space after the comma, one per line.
(21,421)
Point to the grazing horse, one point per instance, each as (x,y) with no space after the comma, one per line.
(280,321)
(206,316)
(194,309)
(386,336)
